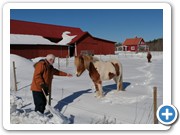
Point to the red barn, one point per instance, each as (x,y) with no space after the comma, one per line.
(30,40)
(135,45)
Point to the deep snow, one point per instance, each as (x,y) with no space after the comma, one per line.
(74,96)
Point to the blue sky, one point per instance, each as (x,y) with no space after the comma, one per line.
(110,24)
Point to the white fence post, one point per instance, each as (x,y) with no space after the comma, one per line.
(58,63)
(15,80)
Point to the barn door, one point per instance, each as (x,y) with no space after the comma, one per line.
(72,49)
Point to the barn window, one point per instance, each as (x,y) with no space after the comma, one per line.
(132,47)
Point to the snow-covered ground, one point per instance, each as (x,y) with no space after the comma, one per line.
(73,99)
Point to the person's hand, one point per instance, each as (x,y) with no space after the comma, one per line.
(69,75)
(45,88)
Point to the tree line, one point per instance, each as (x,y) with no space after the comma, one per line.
(155,45)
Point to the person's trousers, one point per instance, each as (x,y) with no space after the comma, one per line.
(39,101)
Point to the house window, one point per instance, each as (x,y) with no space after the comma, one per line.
(132,47)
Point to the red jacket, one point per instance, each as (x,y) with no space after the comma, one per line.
(43,73)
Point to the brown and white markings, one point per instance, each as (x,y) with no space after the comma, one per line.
(99,71)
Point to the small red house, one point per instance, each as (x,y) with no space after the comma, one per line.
(135,45)
(30,40)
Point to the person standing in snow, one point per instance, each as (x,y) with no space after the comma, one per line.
(42,79)
(149,56)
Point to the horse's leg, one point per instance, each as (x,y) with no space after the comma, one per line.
(99,91)
(116,80)
(120,83)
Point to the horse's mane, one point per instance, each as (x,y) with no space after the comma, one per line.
(87,59)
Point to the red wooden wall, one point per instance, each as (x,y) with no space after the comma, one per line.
(33,51)
(95,45)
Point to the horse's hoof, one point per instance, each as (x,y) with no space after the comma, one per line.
(100,96)
(96,95)
(118,91)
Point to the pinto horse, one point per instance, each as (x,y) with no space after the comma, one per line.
(99,71)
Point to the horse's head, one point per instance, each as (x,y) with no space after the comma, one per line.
(79,64)
(82,63)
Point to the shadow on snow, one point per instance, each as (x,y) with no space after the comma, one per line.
(111,87)
(69,99)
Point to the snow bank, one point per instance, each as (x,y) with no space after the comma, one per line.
(23,70)
(28,116)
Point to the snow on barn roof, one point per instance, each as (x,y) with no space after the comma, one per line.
(22,39)
(133,41)
(29,39)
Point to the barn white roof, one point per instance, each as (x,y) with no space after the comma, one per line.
(22,39)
